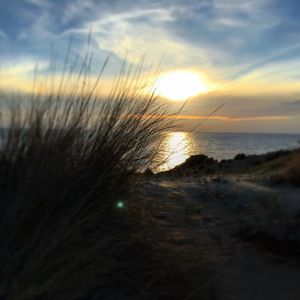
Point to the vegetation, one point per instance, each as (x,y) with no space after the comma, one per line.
(293,172)
(75,223)
(69,162)
(290,173)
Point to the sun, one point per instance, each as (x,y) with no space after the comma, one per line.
(180,85)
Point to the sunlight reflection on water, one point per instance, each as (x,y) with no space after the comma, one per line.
(176,148)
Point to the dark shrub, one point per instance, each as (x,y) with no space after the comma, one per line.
(240,156)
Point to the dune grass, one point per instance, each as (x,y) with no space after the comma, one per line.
(68,161)
(73,222)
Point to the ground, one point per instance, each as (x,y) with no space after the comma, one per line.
(246,227)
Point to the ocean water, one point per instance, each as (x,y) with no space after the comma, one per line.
(178,146)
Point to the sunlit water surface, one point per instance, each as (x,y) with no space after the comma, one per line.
(178,146)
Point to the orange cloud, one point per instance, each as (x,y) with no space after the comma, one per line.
(221,118)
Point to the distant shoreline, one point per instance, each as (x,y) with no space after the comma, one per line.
(235,132)
(202,164)
(179,146)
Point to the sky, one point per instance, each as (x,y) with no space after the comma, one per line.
(248,51)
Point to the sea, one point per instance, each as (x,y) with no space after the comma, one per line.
(178,146)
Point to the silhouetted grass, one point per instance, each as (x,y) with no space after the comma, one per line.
(72,225)
(67,160)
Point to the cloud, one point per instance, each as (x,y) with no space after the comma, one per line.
(40,3)
(22,67)
(244,12)
(225,118)
(292,104)
(3,35)
(251,48)
(141,32)
(230,22)
(18,75)
(217,33)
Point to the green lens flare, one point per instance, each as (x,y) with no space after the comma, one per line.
(120,204)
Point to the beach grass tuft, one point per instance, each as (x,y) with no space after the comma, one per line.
(69,160)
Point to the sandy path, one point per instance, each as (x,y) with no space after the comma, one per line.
(214,209)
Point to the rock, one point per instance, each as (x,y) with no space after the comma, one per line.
(200,159)
(240,156)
